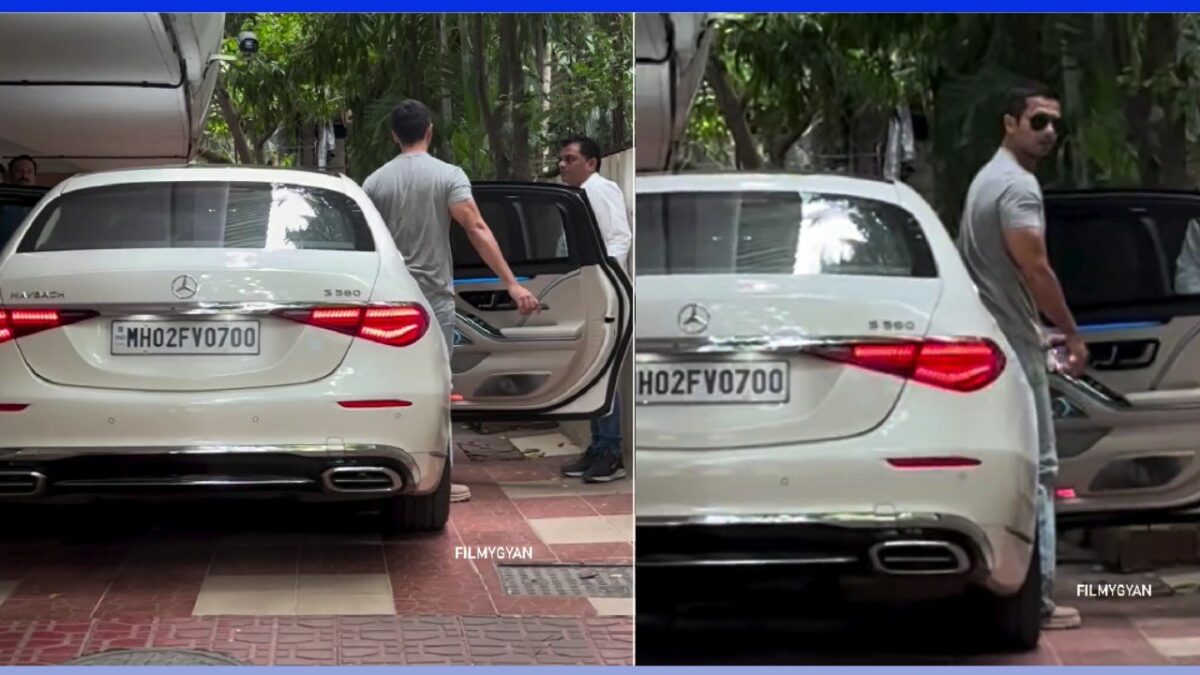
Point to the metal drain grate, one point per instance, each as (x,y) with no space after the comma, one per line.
(154,657)
(568,581)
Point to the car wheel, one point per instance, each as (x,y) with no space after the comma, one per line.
(425,513)
(1018,617)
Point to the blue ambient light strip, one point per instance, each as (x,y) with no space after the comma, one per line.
(1111,327)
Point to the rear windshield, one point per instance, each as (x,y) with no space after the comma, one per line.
(778,233)
(268,216)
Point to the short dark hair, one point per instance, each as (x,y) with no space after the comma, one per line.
(410,121)
(588,147)
(1018,97)
(13,162)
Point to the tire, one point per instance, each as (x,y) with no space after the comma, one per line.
(1017,619)
(420,513)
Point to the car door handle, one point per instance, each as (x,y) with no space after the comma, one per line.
(492,301)
(1123,355)
(489,301)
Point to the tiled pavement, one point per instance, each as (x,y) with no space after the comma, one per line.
(288,583)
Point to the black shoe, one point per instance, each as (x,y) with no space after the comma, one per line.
(605,470)
(579,466)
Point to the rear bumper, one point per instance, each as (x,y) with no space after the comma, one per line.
(855,542)
(835,501)
(905,557)
(319,472)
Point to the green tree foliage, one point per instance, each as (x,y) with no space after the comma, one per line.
(1130,86)
(503,88)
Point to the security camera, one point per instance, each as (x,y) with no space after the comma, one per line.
(248,42)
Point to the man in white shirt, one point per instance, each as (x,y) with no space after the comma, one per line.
(579,164)
(1187,271)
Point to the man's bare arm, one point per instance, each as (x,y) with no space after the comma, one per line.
(466,213)
(1028,249)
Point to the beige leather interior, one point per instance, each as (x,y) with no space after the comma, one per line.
(541,360)
(1147,456)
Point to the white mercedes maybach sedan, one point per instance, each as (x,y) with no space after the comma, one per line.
(821,392)
(237,330)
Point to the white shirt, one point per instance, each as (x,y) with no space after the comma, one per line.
(609,206)
(1187,272)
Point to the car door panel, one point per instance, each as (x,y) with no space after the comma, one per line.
(1127,430)
(560,363)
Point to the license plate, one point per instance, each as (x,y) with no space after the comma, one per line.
(713,382)
(185,338)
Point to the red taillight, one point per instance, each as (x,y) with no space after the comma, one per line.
(933,462)
(383,403)
(393,325)
(345,320)
(1065,493)
(961,365)
(13,407)
(15,323)
(457,398)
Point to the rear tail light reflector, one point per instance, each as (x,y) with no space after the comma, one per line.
(957,365)
(933,462)
(13,407)
(1065,493)
(388,403)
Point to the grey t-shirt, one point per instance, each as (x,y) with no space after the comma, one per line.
(1003,196)
(413,193)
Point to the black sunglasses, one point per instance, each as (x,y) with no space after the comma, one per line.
(1042,120)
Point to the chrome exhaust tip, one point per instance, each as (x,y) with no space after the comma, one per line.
(21,484)
(908,556)
(361,480)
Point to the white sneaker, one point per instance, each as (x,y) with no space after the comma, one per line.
(459,493)
(1062,618)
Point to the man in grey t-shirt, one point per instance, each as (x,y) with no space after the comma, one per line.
(418,197)
(1002,240)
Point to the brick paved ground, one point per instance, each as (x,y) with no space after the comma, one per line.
(287,583)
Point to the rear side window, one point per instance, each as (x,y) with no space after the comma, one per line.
(265,216)
(1116,252)
(528,230)
(789,233)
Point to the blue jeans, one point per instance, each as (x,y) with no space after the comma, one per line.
(444,315)
(606,432)
(1034,364)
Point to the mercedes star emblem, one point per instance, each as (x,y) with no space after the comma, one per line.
(184,286)
(693,318)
